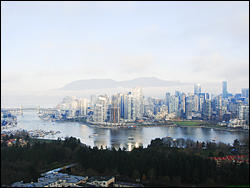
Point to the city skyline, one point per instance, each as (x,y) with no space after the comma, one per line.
(46,45)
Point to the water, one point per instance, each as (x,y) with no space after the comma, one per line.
(119,137)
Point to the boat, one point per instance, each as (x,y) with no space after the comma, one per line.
(95,134)
(90,136)
(131,138)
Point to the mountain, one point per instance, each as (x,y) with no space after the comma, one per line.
(109,83)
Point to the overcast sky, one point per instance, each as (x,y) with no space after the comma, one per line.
(46,45)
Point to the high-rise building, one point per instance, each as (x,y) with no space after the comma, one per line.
(115,110)
(173,105)
(92,101)
(183,96)
(83,106)
(100,108)
(217,106)
(138,105)
(128,106)
(206,109)
(244,113)
(224,89)
(245,92)
(167,100)
(201,100)
(188,108)
(195,101)
(197,89)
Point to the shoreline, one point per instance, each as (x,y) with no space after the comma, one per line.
(167,125)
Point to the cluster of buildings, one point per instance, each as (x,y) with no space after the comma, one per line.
(132,106)
(8,120)
(238,159)
(12,141)
(57,179)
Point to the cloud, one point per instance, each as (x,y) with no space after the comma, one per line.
(150,35)
(48,46)
(93,70)
(73,71)
(11,76)
(89,47)
(132,63)
(216,65)
(122,5)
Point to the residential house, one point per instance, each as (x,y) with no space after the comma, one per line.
(102,181)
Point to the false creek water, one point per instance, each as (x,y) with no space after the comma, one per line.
(119,137)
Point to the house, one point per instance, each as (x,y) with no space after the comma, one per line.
(63,179)
(238,159)
(102,181)
(9,144)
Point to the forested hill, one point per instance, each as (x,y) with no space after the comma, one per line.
(156,165)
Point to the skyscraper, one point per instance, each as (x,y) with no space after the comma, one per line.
(83,106)
(138,105)
(206,109)
(115,110)
(245,92)
(197,89)
(188,108)
(167,100)
(224,89)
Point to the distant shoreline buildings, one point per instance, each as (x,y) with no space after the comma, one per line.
(122,108)
(130,107)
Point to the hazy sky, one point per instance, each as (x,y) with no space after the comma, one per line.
(45,45)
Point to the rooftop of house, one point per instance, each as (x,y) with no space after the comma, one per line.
(100,178)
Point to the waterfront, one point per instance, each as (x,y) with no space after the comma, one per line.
(120,137)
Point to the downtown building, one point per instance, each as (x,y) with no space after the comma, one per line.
(138,102)
(129,111)
(224,90)
(197,89)
(206,109)
(244,113)
(245,92)
(101,109)
(83,106)
(115,109)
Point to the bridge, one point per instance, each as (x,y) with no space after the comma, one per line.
(25,108)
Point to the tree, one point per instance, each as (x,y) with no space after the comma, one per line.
(209,182)
(236,143)
(144,177)
(27,138)
(166,179)
(136,174)
(221,154)
(152,173)
(211,154)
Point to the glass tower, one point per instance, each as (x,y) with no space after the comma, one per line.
(197,89)
(224,89)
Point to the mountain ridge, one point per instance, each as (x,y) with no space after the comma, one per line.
(110,83)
